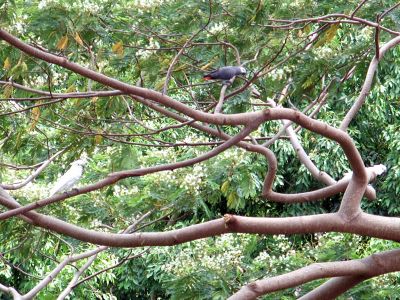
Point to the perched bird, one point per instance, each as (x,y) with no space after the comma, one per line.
(376,171)
(72,176)
(225,73)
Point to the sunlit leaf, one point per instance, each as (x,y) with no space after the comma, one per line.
(159,84)
(35,115)
(118,48)
(62,43)
(7,64)
(328,35)
(98,139)
(71,88)
(225,187)
(232,200)
(78,39)
(206,66)
(8,90)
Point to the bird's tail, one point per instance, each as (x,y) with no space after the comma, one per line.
(53,192)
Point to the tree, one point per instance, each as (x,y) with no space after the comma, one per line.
(113,80)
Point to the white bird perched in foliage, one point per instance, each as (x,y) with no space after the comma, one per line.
(68,180)
(375,170)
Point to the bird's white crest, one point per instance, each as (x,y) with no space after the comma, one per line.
(68,180)
(379,169)
(242,70)
(79,162)
(376,169)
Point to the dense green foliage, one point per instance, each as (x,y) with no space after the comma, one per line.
(135,42)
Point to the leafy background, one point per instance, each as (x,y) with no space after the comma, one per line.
(135,42)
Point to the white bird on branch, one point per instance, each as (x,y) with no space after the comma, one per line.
(68,180)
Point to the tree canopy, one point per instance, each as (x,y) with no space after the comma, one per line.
(281,183)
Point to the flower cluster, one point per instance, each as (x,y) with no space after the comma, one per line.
(279,74)
(218,27)
(235,155)
(225,253)
(324,52)
(146,4)
(34,190)
(273,261)
(19,27)
(93,7)
(120,190)
(192,180)
(153,44)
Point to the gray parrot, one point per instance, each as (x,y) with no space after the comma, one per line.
(225,73)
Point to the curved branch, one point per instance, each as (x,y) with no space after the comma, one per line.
(338,19)
(12,291)
(175,60)
(367,82)
(334,287)
(39,170)
(363,224)
(370,266)
(116,176)
(63,95)
(45,281)
(238,119)
(350,203)
(77,274)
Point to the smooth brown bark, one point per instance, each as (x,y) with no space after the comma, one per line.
(349,218)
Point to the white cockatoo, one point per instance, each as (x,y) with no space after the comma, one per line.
(375,170)
(68,180)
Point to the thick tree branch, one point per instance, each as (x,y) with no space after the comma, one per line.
(363,224)
(373,265)
(114,177)
(367,83)
(334,287)
(349,218)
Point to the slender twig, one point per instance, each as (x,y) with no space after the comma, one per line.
(376,38)
(174,61)
(43,165)
(357,8)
